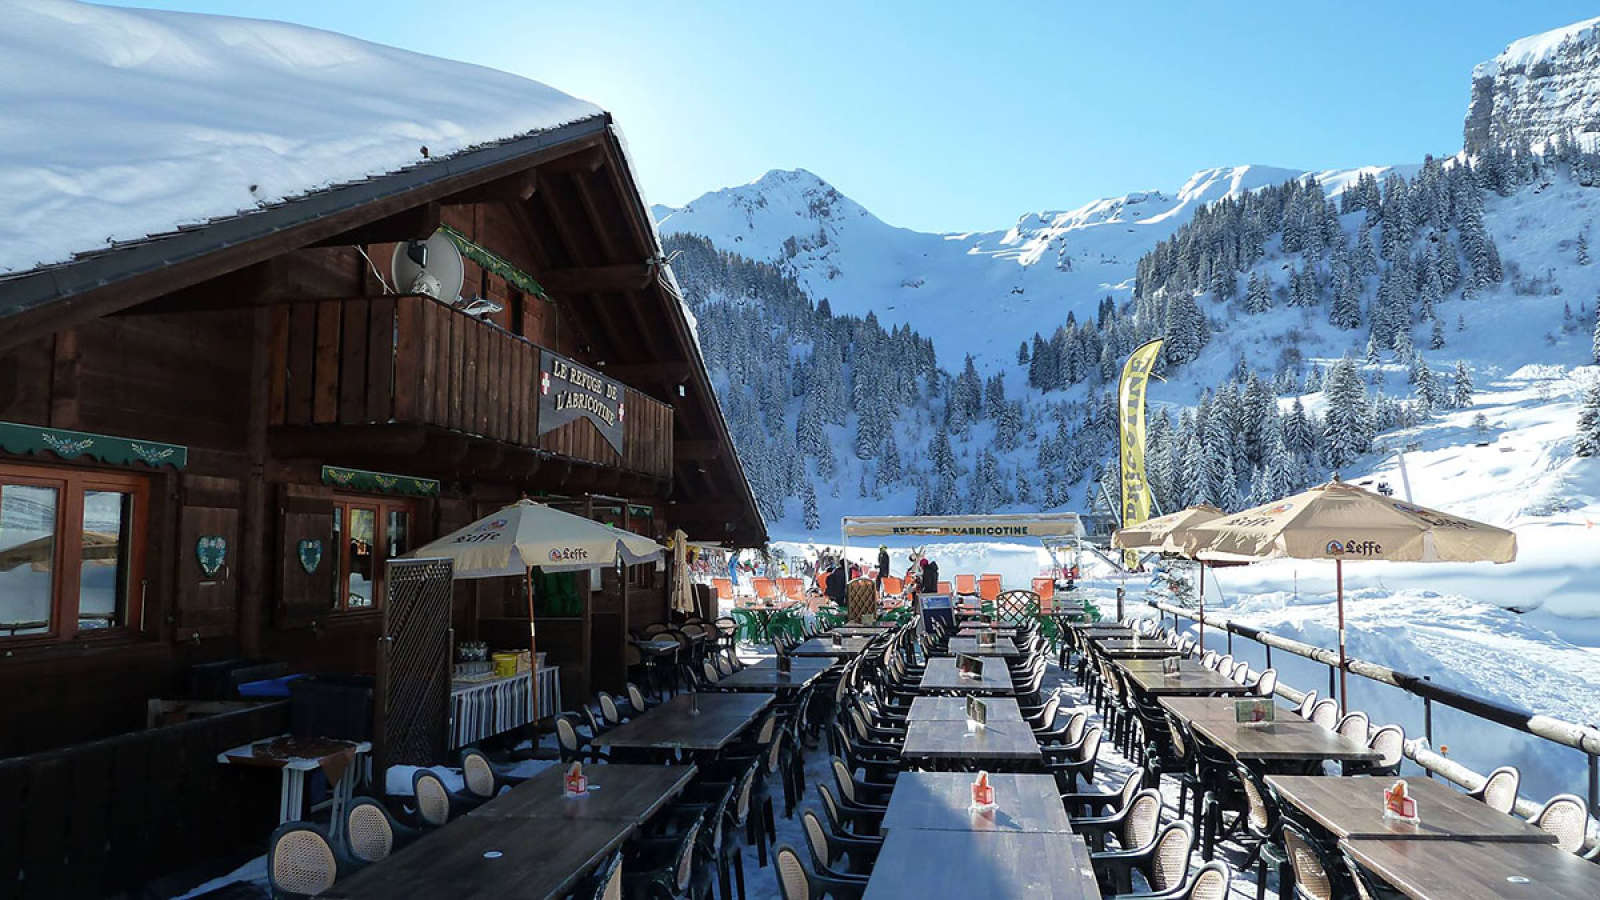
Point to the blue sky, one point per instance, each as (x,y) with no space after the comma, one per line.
(958,116)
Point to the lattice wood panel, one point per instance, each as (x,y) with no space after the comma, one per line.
(1016,607)
(413,714)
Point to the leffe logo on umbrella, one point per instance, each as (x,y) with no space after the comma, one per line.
(1354,548)
(568,554)
(484,532)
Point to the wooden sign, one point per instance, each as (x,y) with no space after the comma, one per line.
(1256,711)
(569,392)
(969,666)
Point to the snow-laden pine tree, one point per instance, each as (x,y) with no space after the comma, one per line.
(1461,390)
(1587,443)
(1347,427)
(1422,377)
(1185,330)
(1596,348)
(808,507)
(1436,337)
(1257,295)
(1583,249)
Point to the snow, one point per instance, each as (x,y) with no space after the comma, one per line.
(1531,50)
(123,123)
(1017,280)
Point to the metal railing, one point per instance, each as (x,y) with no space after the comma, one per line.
(1583,738)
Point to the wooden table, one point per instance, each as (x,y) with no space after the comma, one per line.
(1201,709)
(971,630)
(1353,808)
(1288,740)
(1002,646)
(1477,870)
(824,647)
(764,675)
(339,761)
(1120,648)
(1000,710)
(941,676)
(861,630)
(993,865)
(626,792)
(1094,630)
(941,801)
(1142,664)
(996,745)
(490,858)
(671,726)
(1203,682)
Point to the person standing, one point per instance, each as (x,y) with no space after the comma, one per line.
(836,585)
(883,564)
(930,576)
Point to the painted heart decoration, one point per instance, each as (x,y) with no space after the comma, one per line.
(212,551)
(311,555)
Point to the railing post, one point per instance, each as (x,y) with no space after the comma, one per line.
(1269,654)
(1594,780)
(1230,643)
(1333,682)
(1427,723)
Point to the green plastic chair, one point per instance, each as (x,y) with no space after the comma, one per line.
(747,628)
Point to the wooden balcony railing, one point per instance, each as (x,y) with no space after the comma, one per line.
(412,360)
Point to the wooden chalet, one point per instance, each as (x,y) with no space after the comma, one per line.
(233,425)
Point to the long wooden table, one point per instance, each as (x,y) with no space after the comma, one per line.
(1120,648)
(954,709)
(824,647)
(930,864)
(628,792)
(861,630)
(764,675)
(1204,682)
(1290,739)
(1002,647)
(942,801)
(1477,870)
(941,677)
(1353,808)
(672,725)
(490,858)
(998,744)
(1193,709)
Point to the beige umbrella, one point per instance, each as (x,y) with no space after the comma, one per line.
(1340,521)
(1166,534)
(682,597)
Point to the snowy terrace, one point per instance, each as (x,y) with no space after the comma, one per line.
(1079,692)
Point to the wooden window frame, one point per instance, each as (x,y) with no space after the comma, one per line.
(382,505)
(71,484)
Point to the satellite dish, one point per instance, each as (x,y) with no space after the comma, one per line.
(432,267)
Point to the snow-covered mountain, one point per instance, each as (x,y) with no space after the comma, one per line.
(1018,280)
(1538,88)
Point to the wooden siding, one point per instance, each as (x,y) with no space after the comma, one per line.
(411,360)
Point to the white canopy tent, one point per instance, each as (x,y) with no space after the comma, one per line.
(1005,525)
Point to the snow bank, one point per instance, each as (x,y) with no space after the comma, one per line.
(122,123)
(1536,48)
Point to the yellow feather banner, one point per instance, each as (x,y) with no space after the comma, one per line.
(1130,403)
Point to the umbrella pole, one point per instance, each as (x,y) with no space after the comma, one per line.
(533,651)
(1202,607)
(1344,691)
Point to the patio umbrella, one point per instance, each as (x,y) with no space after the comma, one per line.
(1340,521)
(1166,534)
(682,597)
(527,534)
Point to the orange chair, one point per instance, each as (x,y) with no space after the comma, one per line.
(944,587)
(765,589)
(989,587)
(893,585)
(724,588)
(793,588)
(966,584)
(1046,589)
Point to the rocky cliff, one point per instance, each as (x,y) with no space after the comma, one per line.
(1537,88)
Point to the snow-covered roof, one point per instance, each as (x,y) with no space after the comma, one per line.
(120,123)
(1530,50)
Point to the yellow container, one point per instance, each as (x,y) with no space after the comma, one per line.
(505,664)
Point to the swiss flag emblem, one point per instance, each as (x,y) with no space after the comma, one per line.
(544,382)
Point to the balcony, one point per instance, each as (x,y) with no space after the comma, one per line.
(409,360)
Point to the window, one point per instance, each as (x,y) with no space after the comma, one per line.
(368,531)
(71,551)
